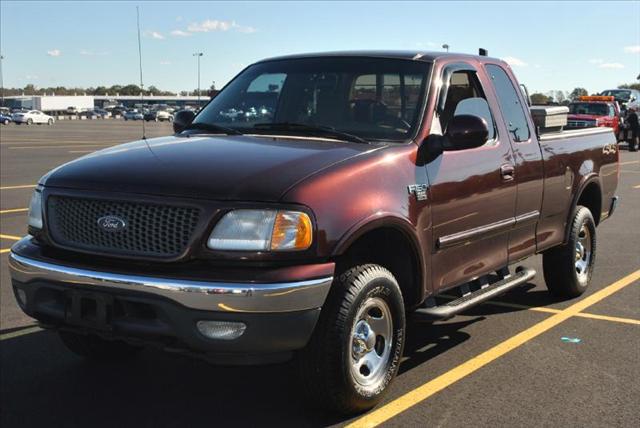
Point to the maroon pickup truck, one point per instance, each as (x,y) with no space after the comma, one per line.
(308,209)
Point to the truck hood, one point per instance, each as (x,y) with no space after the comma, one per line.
(208,167)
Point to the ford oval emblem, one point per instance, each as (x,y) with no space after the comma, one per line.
(111,223)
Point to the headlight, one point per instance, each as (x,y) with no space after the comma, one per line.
(35,209)
(262,230)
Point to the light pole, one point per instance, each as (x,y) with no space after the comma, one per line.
(445,46)
(1,82)
(198,55)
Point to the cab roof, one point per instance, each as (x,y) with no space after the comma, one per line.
(424,56)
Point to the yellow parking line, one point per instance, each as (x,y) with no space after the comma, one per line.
(14,210)
(629,162)
(12,237)
(18,333)
(430,388)
(637,187)
(608,318)
(25,186)
(555,311)
(5,250)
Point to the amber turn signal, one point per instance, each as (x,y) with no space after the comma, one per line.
(291,231)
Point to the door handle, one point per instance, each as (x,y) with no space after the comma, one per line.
(507,171)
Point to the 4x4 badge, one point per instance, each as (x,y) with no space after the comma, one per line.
(420,190)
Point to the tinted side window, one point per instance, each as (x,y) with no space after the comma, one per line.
(465,96)
(510,104)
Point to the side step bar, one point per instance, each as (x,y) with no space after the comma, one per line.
(467,301)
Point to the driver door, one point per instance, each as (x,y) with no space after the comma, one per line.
(472,191)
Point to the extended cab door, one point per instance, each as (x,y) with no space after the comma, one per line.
(527,160)
(472,192)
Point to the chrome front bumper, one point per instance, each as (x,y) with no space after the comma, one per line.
(201,295)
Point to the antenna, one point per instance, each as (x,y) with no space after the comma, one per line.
(144,135)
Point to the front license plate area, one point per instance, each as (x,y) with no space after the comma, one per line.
(89,309)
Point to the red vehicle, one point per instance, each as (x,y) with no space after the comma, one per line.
(593,111)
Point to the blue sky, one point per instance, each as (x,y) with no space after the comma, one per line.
(551,45)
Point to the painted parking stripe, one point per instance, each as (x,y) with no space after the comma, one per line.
(628,163)
(4,250)
(24,186)
(555,311)
(637,187)
(14,210)
(19,333)
(434,386)
(60,147)
(11,237)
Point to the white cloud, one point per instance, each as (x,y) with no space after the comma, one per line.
(596,61)
(537,65)
(54,52)
(86,52)
(632,49)
(154,35)
(180,33)
(209,25)
(611,65)
(178,18)
(165,62)
(31,77)
(514,62)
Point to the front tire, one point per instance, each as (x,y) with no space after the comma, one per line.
(29,121)
(93,347)
(568,268)
(356,347)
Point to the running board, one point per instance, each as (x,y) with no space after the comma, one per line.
(469,300)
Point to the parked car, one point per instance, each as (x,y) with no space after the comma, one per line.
(31,117)
(158,116)
(626,97)
(318,232)
(133,115)
(593,111)
(100,113)
(5,119)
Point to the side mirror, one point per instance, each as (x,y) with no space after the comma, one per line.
(182,119)
(466,131)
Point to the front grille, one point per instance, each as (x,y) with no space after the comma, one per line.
(150,230)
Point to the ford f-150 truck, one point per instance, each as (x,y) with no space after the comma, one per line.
(363,187)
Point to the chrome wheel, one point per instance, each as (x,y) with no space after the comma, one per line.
(371,340)
(583,252)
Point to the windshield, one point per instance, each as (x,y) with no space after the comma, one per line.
(589,108)
(371,98)
(618,94)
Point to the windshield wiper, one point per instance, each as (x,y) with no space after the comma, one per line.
(211,128)
(326,131)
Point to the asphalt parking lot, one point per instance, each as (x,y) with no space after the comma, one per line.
(523,360)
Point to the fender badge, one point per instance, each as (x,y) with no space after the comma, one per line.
(419,190)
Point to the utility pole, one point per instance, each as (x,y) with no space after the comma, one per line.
(198,55)
(1,82)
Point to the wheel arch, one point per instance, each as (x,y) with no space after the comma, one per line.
(589,194)
(396,248)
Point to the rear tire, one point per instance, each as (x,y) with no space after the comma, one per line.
(568,268)
(95,348)
(50,122)
(355,350)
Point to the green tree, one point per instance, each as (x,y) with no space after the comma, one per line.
(539,99)
(578,92)
(630,86)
